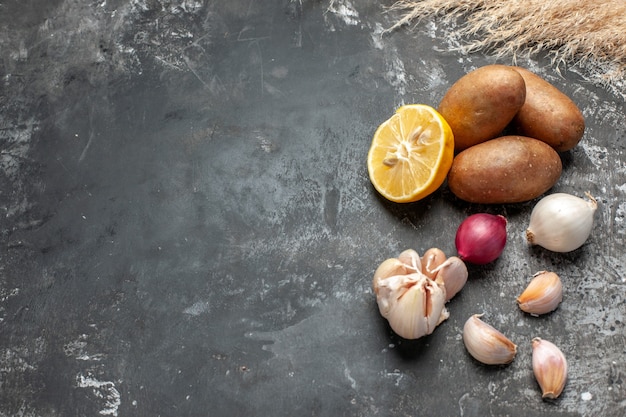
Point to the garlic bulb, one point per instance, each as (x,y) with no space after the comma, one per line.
(549,367)
(561,222)
(486,344)
(411,292)
(542,295)
(453,273)
(413,304)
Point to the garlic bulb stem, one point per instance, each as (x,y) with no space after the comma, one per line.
(561,222)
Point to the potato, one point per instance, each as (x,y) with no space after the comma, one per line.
(508,169)
(482,103)
(548,114)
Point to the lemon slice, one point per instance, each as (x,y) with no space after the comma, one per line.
(411,154)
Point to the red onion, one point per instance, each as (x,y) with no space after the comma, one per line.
(481,237)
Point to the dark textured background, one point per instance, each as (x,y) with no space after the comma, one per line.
(188,228)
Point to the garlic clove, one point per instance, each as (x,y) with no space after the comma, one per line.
(431,259)
(549,367)
(543,294)
(453,274)
(561,222)
(388,268)
(411,259)
(486,344)
(390,289)
(413,304)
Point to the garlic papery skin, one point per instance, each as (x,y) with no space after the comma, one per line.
(549,367)
(486,344)
(390,267)
(561,222)
(431,259)
(413,304)
(453,274)
(543,294)
(411,259)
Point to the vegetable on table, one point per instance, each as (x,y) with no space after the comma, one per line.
(505,170)
(482,103)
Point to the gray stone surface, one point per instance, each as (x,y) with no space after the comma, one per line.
(188,228)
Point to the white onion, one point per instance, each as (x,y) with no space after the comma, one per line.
(561,222)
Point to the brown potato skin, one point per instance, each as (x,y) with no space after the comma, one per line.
(482,103)
(548,114)
(508,169)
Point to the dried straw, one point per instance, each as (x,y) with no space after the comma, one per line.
(573,31)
